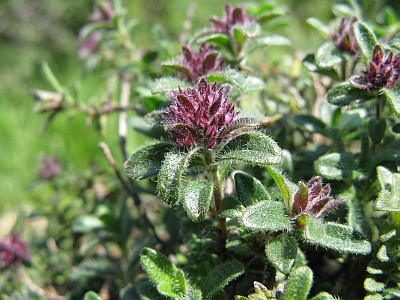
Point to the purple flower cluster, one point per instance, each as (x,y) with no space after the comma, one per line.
(313,199)
(383,71)
(49,168)
(233,15)
(202,116)
(191,65)
(12,251)
(345,40)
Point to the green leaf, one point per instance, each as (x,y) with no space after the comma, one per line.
(265,215)
(231,208)
(382,254)
(311,124)
(163,273)
(376,129)
(389,197)
(170,177)
(299,284)
(335,166)
(147,291)
(266,41)
(335,236)
(344,94)
(365,39)
(327,56)
(168,84)
(323,29)
(281,252)
(219,277)
(228,75)
(254,83)
(91,296)
(286,187)
(371,285)
(193,294)
(251,29)
(196,199)
(393,97)
(253,148)
(220,39)
(323,296)
(146,161)
(88,223)
(52,79)
(249,190)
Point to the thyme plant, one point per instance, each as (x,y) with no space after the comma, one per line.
(286,192)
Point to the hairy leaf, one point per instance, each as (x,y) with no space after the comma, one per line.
(344,94)
(393,97)
(281,252)
(228,75)
(335,236)
(389,197)
(327,56)
(253,148)
(163,273)
(365,39)
(299,284)
(219,277)
(170,178)
(336,166)
(249,190)
(265,215)
(196,199)
(146,161)
(168,84)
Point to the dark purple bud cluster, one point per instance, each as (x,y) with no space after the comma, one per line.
(344,39)
(233,15)
(191,65)
(202,116)
(383,71)
(12,251)
(313,199)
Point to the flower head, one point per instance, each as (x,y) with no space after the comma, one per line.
(313,199)
(233,15)
(49,168)
(192,65)
(202,116)
(344,39)
(12,251)
(102,12)
(383,71)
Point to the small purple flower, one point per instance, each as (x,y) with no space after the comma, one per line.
(89,46)
(102,12)
(49,168)
(383,71)
(313,199)
(345,40)
(203,117)
(12,251)
(191,66)
(233,15)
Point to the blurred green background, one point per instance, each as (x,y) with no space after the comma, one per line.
(37,31)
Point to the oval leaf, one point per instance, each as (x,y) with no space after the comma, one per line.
(393,97)
(162,272)
(327,56)
(281,252)
(336,166)
(196,199)
(365,39)
(170,178)
(146,161)
(265,215)
(253,148)
(335,236)
(299,284)
(229,75)
(344,93)
(168,84)
(249,190)
(218,278)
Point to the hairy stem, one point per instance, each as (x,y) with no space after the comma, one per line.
(218,195)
